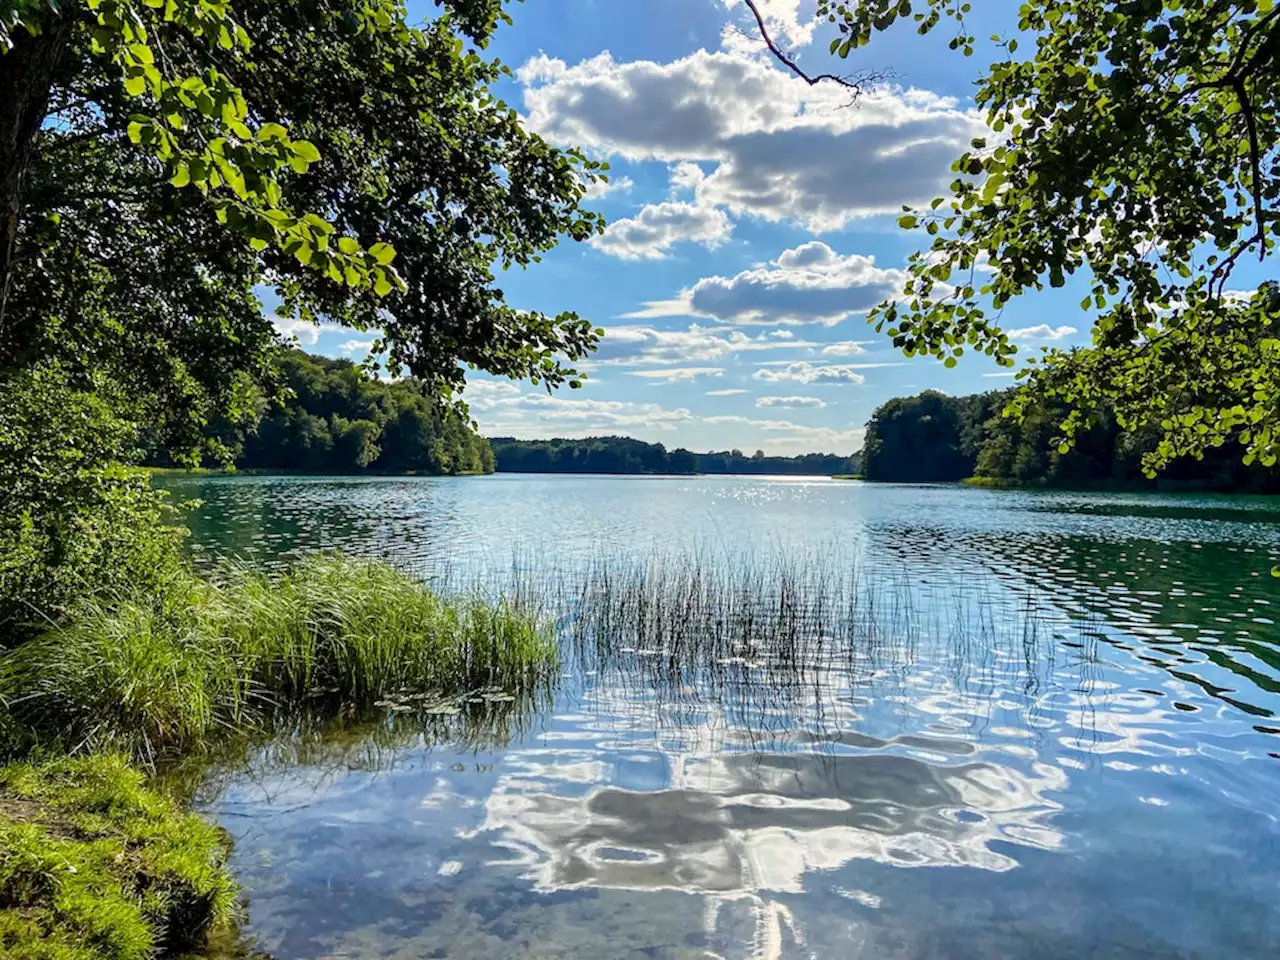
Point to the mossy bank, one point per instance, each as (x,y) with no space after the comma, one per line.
(95,866)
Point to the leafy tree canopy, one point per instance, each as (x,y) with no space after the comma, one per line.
(1135,144)
(337,419)
(926,438)
(189,113)
(935,437)
(186,153)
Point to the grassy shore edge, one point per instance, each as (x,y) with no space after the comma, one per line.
(95,865)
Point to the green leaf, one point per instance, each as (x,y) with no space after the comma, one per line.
(304,150)
(272,131)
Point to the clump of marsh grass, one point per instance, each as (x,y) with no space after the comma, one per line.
(784,616)
(207,658)
(787,640)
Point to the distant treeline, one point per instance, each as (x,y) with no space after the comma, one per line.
(624,455)
(935,437)
(338,420)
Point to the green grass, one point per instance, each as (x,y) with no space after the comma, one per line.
(206,658)
(847,476)
(989,483)
(93,866)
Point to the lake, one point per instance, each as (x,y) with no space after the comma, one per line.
(956,723)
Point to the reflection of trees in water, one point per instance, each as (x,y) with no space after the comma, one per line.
(1184,607)
(271,520)
(303,755)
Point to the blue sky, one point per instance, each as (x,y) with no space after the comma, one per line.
(752,224)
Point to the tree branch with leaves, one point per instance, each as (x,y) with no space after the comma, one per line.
(1135,145)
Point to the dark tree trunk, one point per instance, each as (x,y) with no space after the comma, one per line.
(27,73)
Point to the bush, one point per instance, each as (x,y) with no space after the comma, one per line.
(73,520)
(177,670)
(93,866)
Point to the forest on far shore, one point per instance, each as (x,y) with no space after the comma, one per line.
(933,437)
(335,418)
(625,455)
(338,419)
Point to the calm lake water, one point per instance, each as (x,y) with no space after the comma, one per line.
(1041,725)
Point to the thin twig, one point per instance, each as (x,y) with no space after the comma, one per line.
(858,85)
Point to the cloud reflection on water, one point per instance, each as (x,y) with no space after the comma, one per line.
(758,824)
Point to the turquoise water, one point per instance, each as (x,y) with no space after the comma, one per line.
(1023,725)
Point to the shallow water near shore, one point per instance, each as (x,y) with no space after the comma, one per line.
(866,721)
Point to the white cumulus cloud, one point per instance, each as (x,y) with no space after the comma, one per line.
(685,176)
(542,415)
(789,438)
(646,346)
(804,372)
(614,185)
(483,394)
(808,284)
(782,18)
(679,374)
(767,144)
(1041,331)
(845,348)
(305,332)
(790,402)
(651,233)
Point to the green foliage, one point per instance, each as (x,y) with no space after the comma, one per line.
(934,437)
(119,268)
(1136,145)
(923,438)
(421,152)
(73,520)
(337,419)
(189,115)
(625,455)
(93,866)
(202,660)
(987,483)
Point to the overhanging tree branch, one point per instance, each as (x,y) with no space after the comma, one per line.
(858,84)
